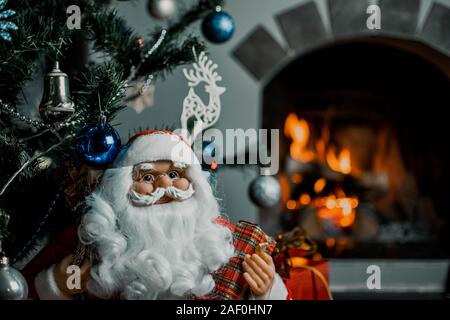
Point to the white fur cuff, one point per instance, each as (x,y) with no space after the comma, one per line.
(46,286)
(277,292)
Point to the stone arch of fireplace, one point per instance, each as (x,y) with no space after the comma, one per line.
(304,29)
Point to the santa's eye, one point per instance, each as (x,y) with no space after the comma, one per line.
(148,178)
(173,175)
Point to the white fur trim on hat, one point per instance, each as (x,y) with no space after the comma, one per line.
(156,146)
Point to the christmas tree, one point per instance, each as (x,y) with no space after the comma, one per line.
(43,181)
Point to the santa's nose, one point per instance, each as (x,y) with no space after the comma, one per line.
(163,181)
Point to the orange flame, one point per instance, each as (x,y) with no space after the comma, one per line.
(341,163)
(340,210)
(298,130)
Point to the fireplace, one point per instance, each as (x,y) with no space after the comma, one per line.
(364,162)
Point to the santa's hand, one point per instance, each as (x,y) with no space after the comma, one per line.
(61,275)
(259,272)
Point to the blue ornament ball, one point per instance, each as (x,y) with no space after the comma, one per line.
(98,144)
(209,149)
(218,27)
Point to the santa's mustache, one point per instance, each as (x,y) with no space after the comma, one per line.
(171,192)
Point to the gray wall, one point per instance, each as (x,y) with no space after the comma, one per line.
(240,104)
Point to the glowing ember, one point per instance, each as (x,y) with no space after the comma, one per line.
(339,210)
(330,242)
(319,185)
(291,204)
(305,199)
(296,178)
(298,130)
(341,163)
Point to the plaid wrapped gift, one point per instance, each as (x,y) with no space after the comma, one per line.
(230,281)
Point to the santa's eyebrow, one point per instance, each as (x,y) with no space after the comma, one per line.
(177,169)
(143,167)
(145,171)
(179,165)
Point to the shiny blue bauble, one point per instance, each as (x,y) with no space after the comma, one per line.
(208,156)
(218,27)
(98,144)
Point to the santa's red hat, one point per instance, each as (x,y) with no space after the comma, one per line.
(154,145)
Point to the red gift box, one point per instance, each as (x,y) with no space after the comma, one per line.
(306,279)
(309,282)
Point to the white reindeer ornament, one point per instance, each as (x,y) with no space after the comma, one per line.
(205,116)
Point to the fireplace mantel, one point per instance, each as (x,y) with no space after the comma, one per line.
(400,279)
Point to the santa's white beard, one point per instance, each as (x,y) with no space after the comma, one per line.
(156,252)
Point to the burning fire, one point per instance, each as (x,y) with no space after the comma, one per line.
(341,163)
(341,210)
(298,130)
(337,207)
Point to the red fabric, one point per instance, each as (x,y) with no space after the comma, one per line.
(230,281)
(305,285)
(289,294)
(61,246)
(225,223)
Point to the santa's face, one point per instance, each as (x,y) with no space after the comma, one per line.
(153,226)
(159,182)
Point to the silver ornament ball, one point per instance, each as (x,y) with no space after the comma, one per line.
(265,191)
(13,285)
(162,9)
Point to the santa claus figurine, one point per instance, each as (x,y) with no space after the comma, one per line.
(153,230)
